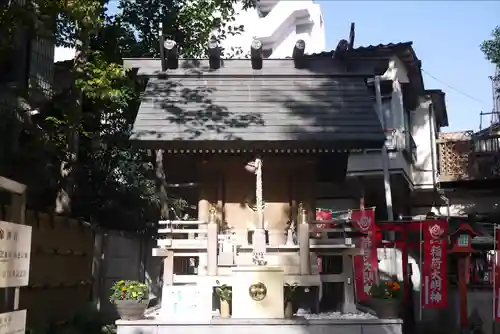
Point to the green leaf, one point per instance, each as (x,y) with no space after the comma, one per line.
(491,47)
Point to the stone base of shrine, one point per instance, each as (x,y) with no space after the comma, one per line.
(295,325)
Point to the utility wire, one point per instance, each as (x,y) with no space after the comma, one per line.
(453,88)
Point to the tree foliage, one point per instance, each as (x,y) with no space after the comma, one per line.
(189,23)
(491,47)
(88,122)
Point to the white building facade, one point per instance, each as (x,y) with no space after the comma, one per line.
(278,24)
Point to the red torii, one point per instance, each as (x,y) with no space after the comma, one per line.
(415,226)
(402,226)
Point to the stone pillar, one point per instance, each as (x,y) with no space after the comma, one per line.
(212,244)
(348,272)
(168,276)
(304,251)
(203,211)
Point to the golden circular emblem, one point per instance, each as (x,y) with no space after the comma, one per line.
(257,291)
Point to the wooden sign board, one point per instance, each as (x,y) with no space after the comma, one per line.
(186,303)
(13,322)
(15,249)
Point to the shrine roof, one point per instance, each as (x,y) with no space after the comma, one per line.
(194,106)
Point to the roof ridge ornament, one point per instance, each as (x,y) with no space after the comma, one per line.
(169,54)
(341,49)
(214,54)
(298,54)
(256,54)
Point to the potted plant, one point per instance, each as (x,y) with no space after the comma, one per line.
(130,298)
(224,293)
(289,294)
(386,297)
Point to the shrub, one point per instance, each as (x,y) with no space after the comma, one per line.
(128,290)
(386,290)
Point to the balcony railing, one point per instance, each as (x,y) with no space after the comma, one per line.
(463,156)
(486,145)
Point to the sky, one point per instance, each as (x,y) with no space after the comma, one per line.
(446,36)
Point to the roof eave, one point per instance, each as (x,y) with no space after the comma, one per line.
(235,146)
(439,99)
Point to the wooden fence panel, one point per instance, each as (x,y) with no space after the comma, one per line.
(61,268)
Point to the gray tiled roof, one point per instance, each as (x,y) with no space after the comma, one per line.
(276,104)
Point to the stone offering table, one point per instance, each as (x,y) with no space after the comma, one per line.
(271,306)
(296,325)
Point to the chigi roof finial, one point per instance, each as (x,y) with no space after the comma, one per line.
(256,54)
(214,53)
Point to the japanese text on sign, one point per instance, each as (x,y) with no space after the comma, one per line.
(434,265)
(366,265)
(436,279)
(366,248)
(13,322)
(15,248)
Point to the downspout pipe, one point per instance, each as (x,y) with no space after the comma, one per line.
(432,134)
(387,177)
(446,200)
(385,154)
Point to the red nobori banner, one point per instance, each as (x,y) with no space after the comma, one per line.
(434,278)
(365,265)
(496,277)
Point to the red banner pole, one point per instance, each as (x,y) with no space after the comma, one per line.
(406,279)
(462,290)
(496,277)
(421,260)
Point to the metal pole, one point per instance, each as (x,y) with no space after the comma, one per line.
(387,176)
(494,275)
(421,275)
(385,155)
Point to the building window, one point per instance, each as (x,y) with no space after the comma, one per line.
(303,28)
